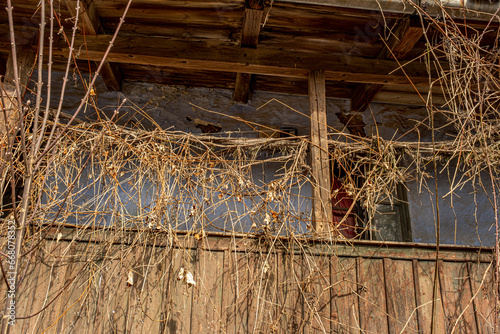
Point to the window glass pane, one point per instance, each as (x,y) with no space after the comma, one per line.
(386,223)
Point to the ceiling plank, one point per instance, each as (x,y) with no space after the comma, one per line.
(403,39)
(153,51)
(249,39)
(90,24)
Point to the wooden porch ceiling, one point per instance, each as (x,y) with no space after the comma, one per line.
(240,45)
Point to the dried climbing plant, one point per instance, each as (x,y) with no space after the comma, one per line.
(114,179)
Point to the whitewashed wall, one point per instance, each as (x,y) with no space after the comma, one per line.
(468,211)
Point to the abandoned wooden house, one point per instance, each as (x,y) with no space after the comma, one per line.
(250,166)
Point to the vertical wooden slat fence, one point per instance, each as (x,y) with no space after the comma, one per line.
(84,284)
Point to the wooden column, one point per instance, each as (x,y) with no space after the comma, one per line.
(320,161)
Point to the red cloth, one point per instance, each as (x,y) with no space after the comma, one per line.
(343,200)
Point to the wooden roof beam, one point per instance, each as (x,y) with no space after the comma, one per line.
(403,39)
(90,24)
(249,39)
(154,51)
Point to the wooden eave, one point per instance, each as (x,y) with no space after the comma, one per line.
(199,44)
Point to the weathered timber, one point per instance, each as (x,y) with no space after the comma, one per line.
(400,294)
(135,288)
(249,39)
(90,24)
(320,160)
(244,242)
(372,298)
(153,51)
(402,40)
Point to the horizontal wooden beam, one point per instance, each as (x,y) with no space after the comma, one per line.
(152,51)
(244,242)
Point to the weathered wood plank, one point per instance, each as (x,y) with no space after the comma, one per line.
(482,282)
(90,24)
(268,319)
(289,292)
(251,27)
(180,298)
(320,159)
(207,298)
(72,305)
(401,305)
(425,271)
(401,41)
(344,306)
(316,282)
(230,284)
(354,248)
(242,87)
(372,300)
(156,291)
(249,39)
(457,296)
(198,56)
(47,284)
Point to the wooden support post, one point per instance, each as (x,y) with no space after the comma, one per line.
(320,162)
(90,24)
(249,39)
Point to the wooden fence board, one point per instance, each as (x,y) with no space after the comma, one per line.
(243,290)
(262,317)
(344,305)
(482,279)
(400,291)
(207,297)
(457,298)
(155,297)
(50,277)
(289,291)
(230,284)
(73,307)
(425,270)
(317,294)
(246,291)
(372,303)
(180,298)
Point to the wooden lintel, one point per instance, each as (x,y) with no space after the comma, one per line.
(403,39)
(249,39)
(90,24)
(320,160)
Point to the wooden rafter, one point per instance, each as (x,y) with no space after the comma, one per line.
(90,24)
(249,39)
(403,39)
(153,51)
